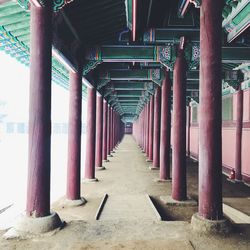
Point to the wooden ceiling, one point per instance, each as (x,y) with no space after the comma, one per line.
(124,70)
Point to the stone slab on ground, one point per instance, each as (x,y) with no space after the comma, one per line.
(127,207)
(235,215)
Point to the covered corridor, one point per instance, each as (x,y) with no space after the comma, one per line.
(174,78)
(128,219)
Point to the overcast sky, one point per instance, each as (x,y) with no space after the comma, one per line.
(14,86)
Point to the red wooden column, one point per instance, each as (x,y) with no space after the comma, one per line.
(110,131)
(38,196)
(90,135)
(142,129)
(74,139)
(188,129)
(238,146)
(165,128)
(113,130)
(145,130)
(99,132)
(148,121)
(157,127)
(179,187)
(151,130)
(210,163)
(105,131)
(39,218)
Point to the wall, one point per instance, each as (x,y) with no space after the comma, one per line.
(228,134)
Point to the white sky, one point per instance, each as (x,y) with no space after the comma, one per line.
(14,86)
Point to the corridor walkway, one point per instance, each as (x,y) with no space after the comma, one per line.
(128,220)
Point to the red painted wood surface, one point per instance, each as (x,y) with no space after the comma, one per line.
(105,130)
(165,128)
(99,130)
(157,127)
(151,129)
(38,188)
(90,134)
(179,186)
(74,137)
(210,170)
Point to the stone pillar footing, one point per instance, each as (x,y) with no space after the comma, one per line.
(100,168)
(168,200)
(154,168)
(27,226)
(163,180)
(110,155)
(106,160)
(85,180)
(73,203)
(206,226)
(149,160)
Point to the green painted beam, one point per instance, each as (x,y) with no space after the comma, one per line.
(129,95)
(162,54)
(236,18)
(235,54)
(169,35)
(129,98)
(153,75)
(128,102)
(129,92)
(128,53)
(17,17)
(128,86)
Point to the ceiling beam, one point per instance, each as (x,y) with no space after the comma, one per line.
(162,54)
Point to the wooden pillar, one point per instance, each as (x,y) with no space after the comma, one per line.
(110,131)
(239,126)
(157,126)
(210,163)
(99,132)
(105,131)
(151,129)
(145,129)
(188,129)
(90,135)
(74,136)
(113,130)
(148,121)
(165,128)
(179,187)
(38,188)
(238,146)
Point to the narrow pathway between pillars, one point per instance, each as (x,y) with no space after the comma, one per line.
(128,221)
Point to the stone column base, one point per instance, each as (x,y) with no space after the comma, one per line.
(149,160)
(100,168)
(106,160)
(89,180)
(27,226)
(163,180)
(206,226)
(110,155)
(154,168)
(73,203)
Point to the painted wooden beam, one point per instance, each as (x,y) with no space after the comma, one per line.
(170,35)
(153,75)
